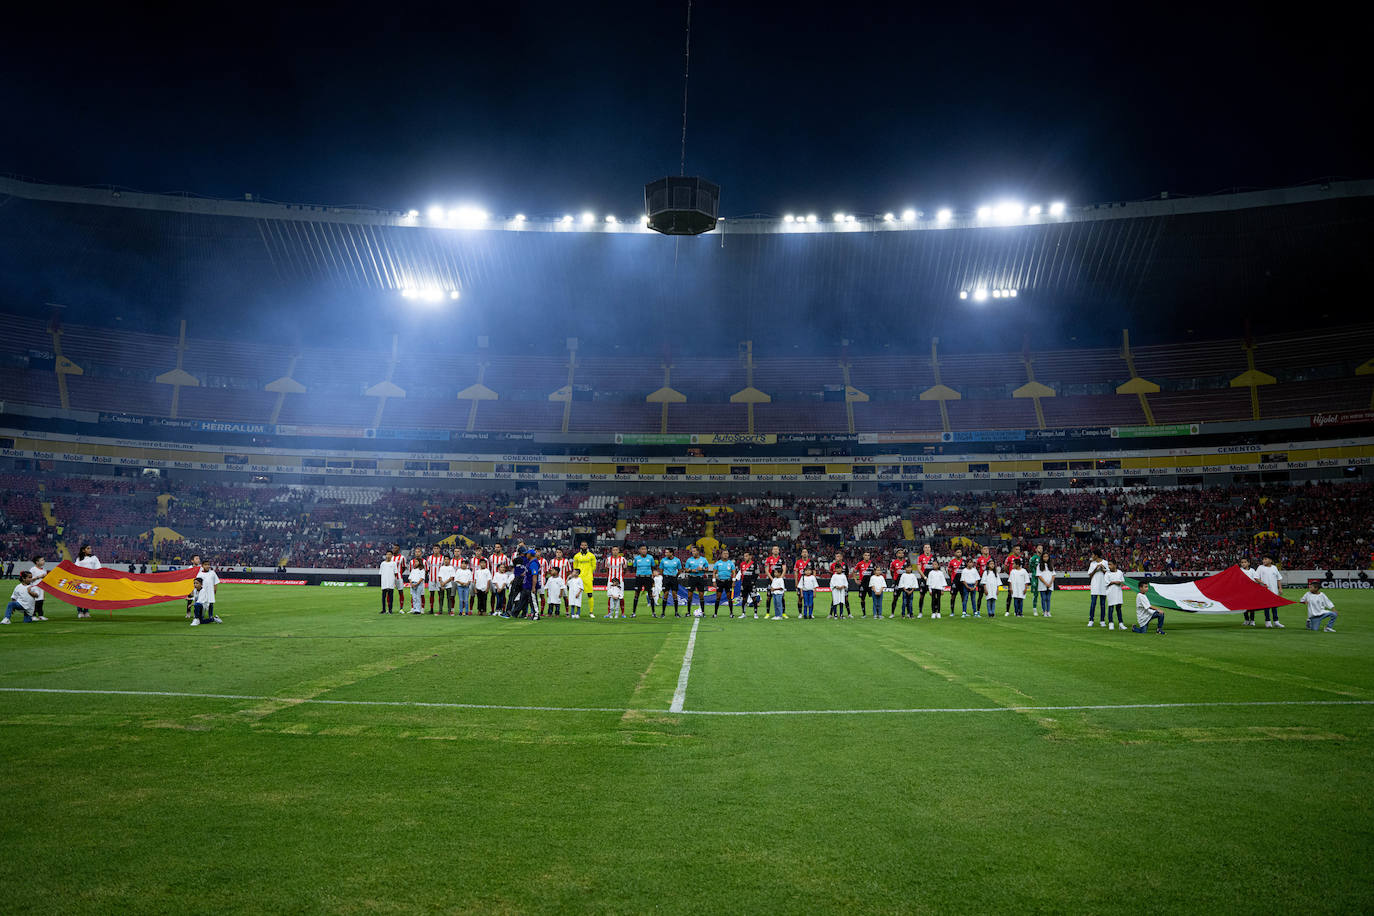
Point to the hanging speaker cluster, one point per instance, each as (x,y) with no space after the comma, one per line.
(682,205)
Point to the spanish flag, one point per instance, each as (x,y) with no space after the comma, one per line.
(109,589)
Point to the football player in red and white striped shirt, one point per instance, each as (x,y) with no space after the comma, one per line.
(615,584)
(497,558)
(432,564)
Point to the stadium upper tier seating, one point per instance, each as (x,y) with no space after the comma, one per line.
(1308,526)
(1313,373)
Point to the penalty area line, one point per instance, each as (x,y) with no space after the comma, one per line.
(680,697)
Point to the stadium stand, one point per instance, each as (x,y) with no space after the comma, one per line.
(1307,526)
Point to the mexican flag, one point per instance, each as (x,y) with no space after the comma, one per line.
(1228,592)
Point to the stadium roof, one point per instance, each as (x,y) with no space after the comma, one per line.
(1158,266)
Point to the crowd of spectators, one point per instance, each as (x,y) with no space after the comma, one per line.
(1307,526)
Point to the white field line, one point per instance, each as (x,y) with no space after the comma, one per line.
(688,712)
(680,694)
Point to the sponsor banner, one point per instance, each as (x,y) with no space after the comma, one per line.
(327,432)
(1336,583)
(880,438)
(1081,432)
(415,435)
(1341,419)
(215,426)
(984,435)
(819,438)
(653,439)
(1151,432)
(734,438)
(263,581)
(339,584)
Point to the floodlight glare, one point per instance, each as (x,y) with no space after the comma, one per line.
(788,218)
(850,218)
(435,214)
(945,215)
(980,294)
(839,217)
(1008,211)
(567,217)
(1035,210)
(985,213)
(408,293)
(997,294)
(963,294)
(588,218)
(908,215)
(888,217)
(453,294)
(1012,293)
(1057,208)
(610,219)
(519,217)
(810,217)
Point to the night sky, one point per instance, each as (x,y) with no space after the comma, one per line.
(547,108)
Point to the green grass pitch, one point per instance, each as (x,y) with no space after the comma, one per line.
(919,767)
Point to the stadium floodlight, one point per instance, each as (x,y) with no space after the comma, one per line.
(888,217)
(963,294)
(610,219)
(1057,208)
(644,219)
(1009,210)
(908,215)
(567,218)
(849,218)
(1035,210)
(588,218)
(435,214)
(453,294)
(1012,293)
(980,294)
(985,213)
(997,294)
(839,217)
(410,215)
(944,215)
(810,217)
(408,293)
(519,217)
(788,218)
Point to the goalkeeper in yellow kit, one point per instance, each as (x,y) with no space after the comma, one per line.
(584,564)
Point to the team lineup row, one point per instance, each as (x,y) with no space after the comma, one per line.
(529,583)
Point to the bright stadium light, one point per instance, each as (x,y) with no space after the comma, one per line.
(588,218)
(908,215)
(1057,208)
(849,218)
(810,217)
(980,294)
(1012,293)
(610,219)
(1009,210)
(435,214)
(944,215)
(408,293)
(453,294)
(1035,210)
(644,220)
(963,294)
(839,217)
(519,217)
(888,217)
(997,294)
(985,213)
(567,218)
(788,218)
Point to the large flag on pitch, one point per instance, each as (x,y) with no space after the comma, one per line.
(1228,592)
(109,589)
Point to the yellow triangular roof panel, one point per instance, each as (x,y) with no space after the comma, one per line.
(386,389)
(853,394)
(67,367)
(285,385)
(940,393)
(178,377)
(666,395)
(1252,378)
(562,394)
(1137,385)
(477,393)
(1033,390)
(1366,368)
(750,395)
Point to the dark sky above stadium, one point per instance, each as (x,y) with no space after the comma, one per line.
(547,108)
